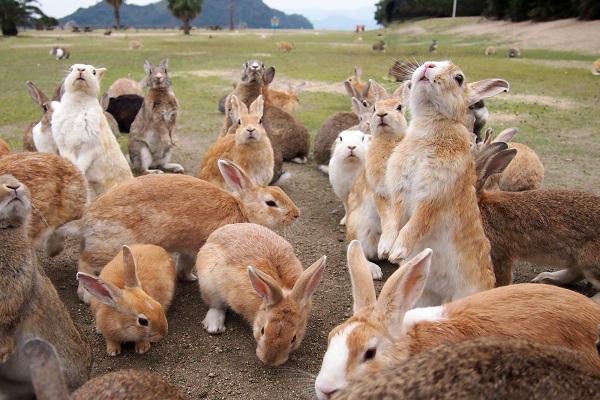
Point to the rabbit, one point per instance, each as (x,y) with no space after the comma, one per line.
(112,122)
(360,86)
(58,190)
(135,44)
(490,51)
(477,113)
(254,271)
(287,46)
(388,329)
(49,382)
(402,71)
(379,46)
(556,227)
(124,109)
(514,52)
(60,52)
(153,133)
(4,148)
(347,162)
(430,176)
(131,296)
(596,67)
(287,98)
(250,148)
(124,86)
(524,172)
(82,134)
(433,46)
(40,138)
(30,304)
(176,212)
(481,368)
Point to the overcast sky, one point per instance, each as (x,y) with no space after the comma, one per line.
(62,8)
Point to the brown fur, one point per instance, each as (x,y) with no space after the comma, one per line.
(58,190)
(490,51)
(4,148)
(287,46)
(287,98)
(276,300)
(596,67)
(123,86)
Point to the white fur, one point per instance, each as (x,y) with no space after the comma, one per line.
(423,314)
(43,140)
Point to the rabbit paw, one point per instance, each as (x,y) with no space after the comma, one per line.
(376,272)
(7,348)
(214,322)
(397,254)
(142,346)
(152,171)
(386,243)
(562,277)
(113,348)
(343,221)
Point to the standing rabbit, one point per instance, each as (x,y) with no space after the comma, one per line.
(39,137)
(30,304)
(176,212)
(153,133)
(131,296)
(82,134)
(254,271)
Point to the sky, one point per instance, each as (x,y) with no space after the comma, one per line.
(61,8)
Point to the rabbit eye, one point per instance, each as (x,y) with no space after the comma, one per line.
(143,321)
(399,108)
(239,121)
(45,108)
(94,72)
(341,140)
(271,203)
(262,331)
(294,339)
(364,103)
(260,121)
(165,71)
(370,354)
(459,78)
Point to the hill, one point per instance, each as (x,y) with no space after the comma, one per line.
(253,14)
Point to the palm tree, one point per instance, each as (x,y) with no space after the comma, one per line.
(185,10)
(230,15)
(116,4)
(15,13)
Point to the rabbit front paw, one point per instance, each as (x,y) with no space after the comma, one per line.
(398,253)
(214,322)
(113,347)
(376,272)
(386,243)
(142,346)
(7,348)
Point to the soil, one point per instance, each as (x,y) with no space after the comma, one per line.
(225,366)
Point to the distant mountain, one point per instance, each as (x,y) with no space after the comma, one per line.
(253,14)
(341,19)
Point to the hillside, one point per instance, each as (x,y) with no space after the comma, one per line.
(253,13)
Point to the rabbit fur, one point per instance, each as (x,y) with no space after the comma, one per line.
(4,148)
(30,306)
(39,137)
(124,86)
(254,271)
(163,214)
(153,133)
(287,98)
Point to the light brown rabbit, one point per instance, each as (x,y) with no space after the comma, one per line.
(482,368)
(131,296)
(388,329)
(287,46)
(490,51)
(430,176)
(359,86)
(4,148)
(553,227)
(39,136)
(287,98)
(126,384)
(124,86)
(58,190)
(596,67)
(30,304)
(250,147)
(176,212)
(153,133)
(254,271)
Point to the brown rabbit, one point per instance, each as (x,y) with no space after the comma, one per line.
(287,98)
(131,296)
(39,136)
(387,329)
(4,148)
(254,271)
(58,190)
(359,86)
(430,176)
(125,86)
(153,133)
(30,304)
(250,147)
(482,368)
(126,384)
(287,46)
(555,227)
(176,212)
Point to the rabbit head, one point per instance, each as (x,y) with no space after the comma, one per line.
(388,113)
(85,78)
(157,76)
(254,71)
(249,120)
(15,202)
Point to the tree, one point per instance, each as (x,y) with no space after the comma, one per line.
(14,13)
(185,10)
(230,15)
(116,4)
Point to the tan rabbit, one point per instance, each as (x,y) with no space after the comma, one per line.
(131,296)
(30,304)
(58,190)
(596,67)
(4,148)
(490,51)
(153,133)
(481,368)
(287,98)
(49,382)
(176,212)
(39,137)
(388,329)
(430,176)
(360,86)
(254,271)
(554,227)
(287,46)
(250,147)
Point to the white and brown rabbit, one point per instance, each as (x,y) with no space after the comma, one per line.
(131,296)
(82,133)
(30,304)
(431,176)
(481,368)
(58,190)
(388,329)
(176,212)
(153,133)
(255,272)
(250,147)
(49,381)
(39,137)
(551,227)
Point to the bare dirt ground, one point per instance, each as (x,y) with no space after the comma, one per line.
(225,366)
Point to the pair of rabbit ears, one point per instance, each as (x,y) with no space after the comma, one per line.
(164,63)
(399,293)
(303,289)
(239,108)
(493,159)
(285,87)
(106,292)
(401,92)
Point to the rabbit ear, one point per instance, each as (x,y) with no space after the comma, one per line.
(351,89)
(104,100)
(493,164)
(363,289)
(307,283)
(238,108)
(104,292)
(257,106)
(299,88)
(379,91)
(506,135)
(147,66)
(486,88)
(358,72)
(269,75)
(164,63)
(357,107)
(265,286)
(285,86)
(488,136)
(100,73)
(46,370)
(402,290)
(237,179)
(130,268)
(37,95)
(399,92)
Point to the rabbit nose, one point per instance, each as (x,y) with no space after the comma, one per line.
(382,114)
(12,186)
(430,65)
(351,147)
(255,66)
